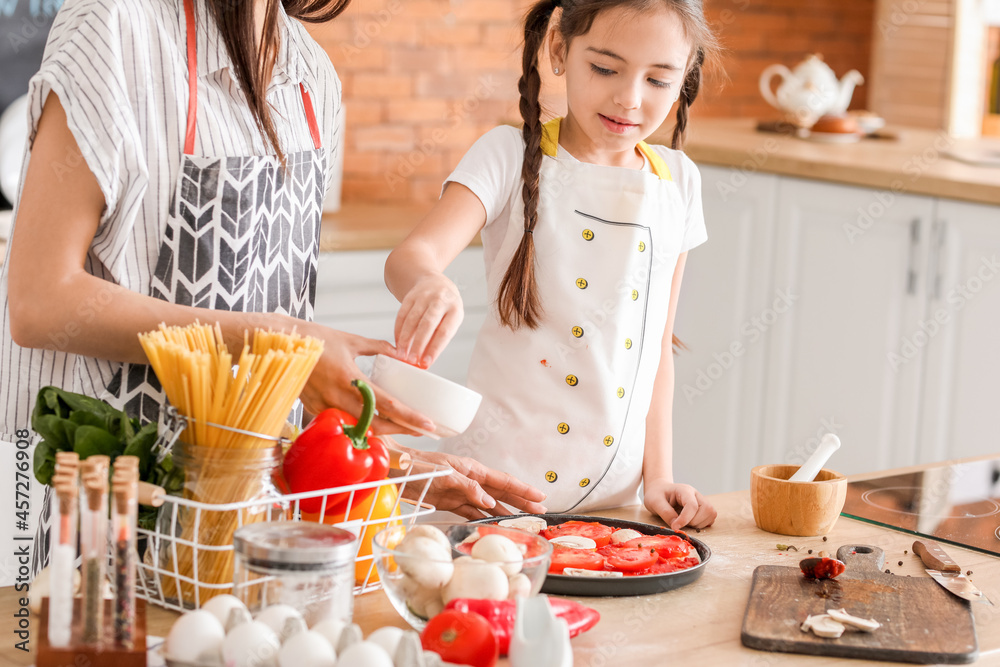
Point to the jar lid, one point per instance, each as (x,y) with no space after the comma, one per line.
(294,545)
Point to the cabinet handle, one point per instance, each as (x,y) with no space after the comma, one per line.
(940,240)
(911,271)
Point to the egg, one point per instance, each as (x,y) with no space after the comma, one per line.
(195,638)
(387,637)
(307,649)
(330,628)
(222,605)
(365,654)
(277,616)
(251,644)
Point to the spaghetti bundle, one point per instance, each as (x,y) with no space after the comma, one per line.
(223,466)
(195,369)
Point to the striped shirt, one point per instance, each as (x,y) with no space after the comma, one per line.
(119,68)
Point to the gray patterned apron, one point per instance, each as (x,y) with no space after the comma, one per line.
(242,234)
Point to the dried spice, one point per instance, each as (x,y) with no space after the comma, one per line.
(92,601)
(124,604)
(786,547)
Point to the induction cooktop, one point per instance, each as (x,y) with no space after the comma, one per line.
(955,503)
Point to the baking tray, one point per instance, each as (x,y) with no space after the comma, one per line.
(646,584)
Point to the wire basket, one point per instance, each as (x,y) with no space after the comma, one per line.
(162,581)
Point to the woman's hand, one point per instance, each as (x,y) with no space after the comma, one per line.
(473,490)
(329,386)
(679,505)
(428,318)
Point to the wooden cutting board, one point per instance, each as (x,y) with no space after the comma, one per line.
(921,622)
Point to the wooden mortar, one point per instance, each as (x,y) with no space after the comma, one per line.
(796,508)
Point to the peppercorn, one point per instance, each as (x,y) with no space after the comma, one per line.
(968,573)
(887,571)
(900,562)
(824,538)
(810,551)
(905,552)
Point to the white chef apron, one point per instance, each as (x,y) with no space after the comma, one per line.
(564,405)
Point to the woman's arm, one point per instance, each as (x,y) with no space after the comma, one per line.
(55,304)
(661,495)
(430,305)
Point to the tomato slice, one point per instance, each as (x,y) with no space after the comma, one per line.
(666,566)
(583,559)
(631,559)
(598,532)
(668,546)
(531,544)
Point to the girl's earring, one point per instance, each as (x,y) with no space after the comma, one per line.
(556,71)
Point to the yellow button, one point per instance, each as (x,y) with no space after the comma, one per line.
(635,295)
(628,343)
(581,283)
(578,331)
(642,246)
(621,392)
(588,235)
(571,380)
(551,476)
(563,428)
(585,482)
(608,441)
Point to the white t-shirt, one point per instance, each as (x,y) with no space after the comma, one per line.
(492,170)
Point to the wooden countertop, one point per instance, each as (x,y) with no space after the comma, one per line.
(698,624)
(915,163)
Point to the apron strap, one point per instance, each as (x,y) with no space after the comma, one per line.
(550,147)
(192,58)
(311,117)
(192,115)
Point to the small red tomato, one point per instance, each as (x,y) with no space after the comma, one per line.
(461,637)
(822,568)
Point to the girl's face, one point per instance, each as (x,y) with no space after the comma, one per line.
(622,77)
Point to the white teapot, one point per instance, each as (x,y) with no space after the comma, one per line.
(811,91)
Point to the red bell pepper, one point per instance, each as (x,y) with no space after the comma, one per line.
(501,615)
(336,450)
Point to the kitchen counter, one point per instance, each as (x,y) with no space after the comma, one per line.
(698,624)
(915,163)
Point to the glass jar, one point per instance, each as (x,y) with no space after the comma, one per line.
(223,489)
(309,566)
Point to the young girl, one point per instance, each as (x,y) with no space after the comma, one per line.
(585,230)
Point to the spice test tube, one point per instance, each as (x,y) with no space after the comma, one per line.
(93,545)
(64,510)
(124,491)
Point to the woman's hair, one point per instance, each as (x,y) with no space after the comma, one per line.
(518,299)
(253,65)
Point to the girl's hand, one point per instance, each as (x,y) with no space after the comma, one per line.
(428,318)
(329,386)
(679,505)
(472,491)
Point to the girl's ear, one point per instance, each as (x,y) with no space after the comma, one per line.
(557,52)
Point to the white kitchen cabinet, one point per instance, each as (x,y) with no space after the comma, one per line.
(351,296)
(961,334)
(854,261)
(718,388)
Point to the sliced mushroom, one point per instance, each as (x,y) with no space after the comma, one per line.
(624,535)
(823,626)
(580,572)
(531,524)
(855,622)
(574,542)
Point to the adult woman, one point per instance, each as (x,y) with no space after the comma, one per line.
(179,154)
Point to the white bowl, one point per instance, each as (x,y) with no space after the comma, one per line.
(449,405)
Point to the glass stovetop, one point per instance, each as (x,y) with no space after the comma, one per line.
(957,503)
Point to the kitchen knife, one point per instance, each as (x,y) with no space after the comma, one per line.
(946,572)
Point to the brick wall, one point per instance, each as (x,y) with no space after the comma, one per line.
(424,78)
